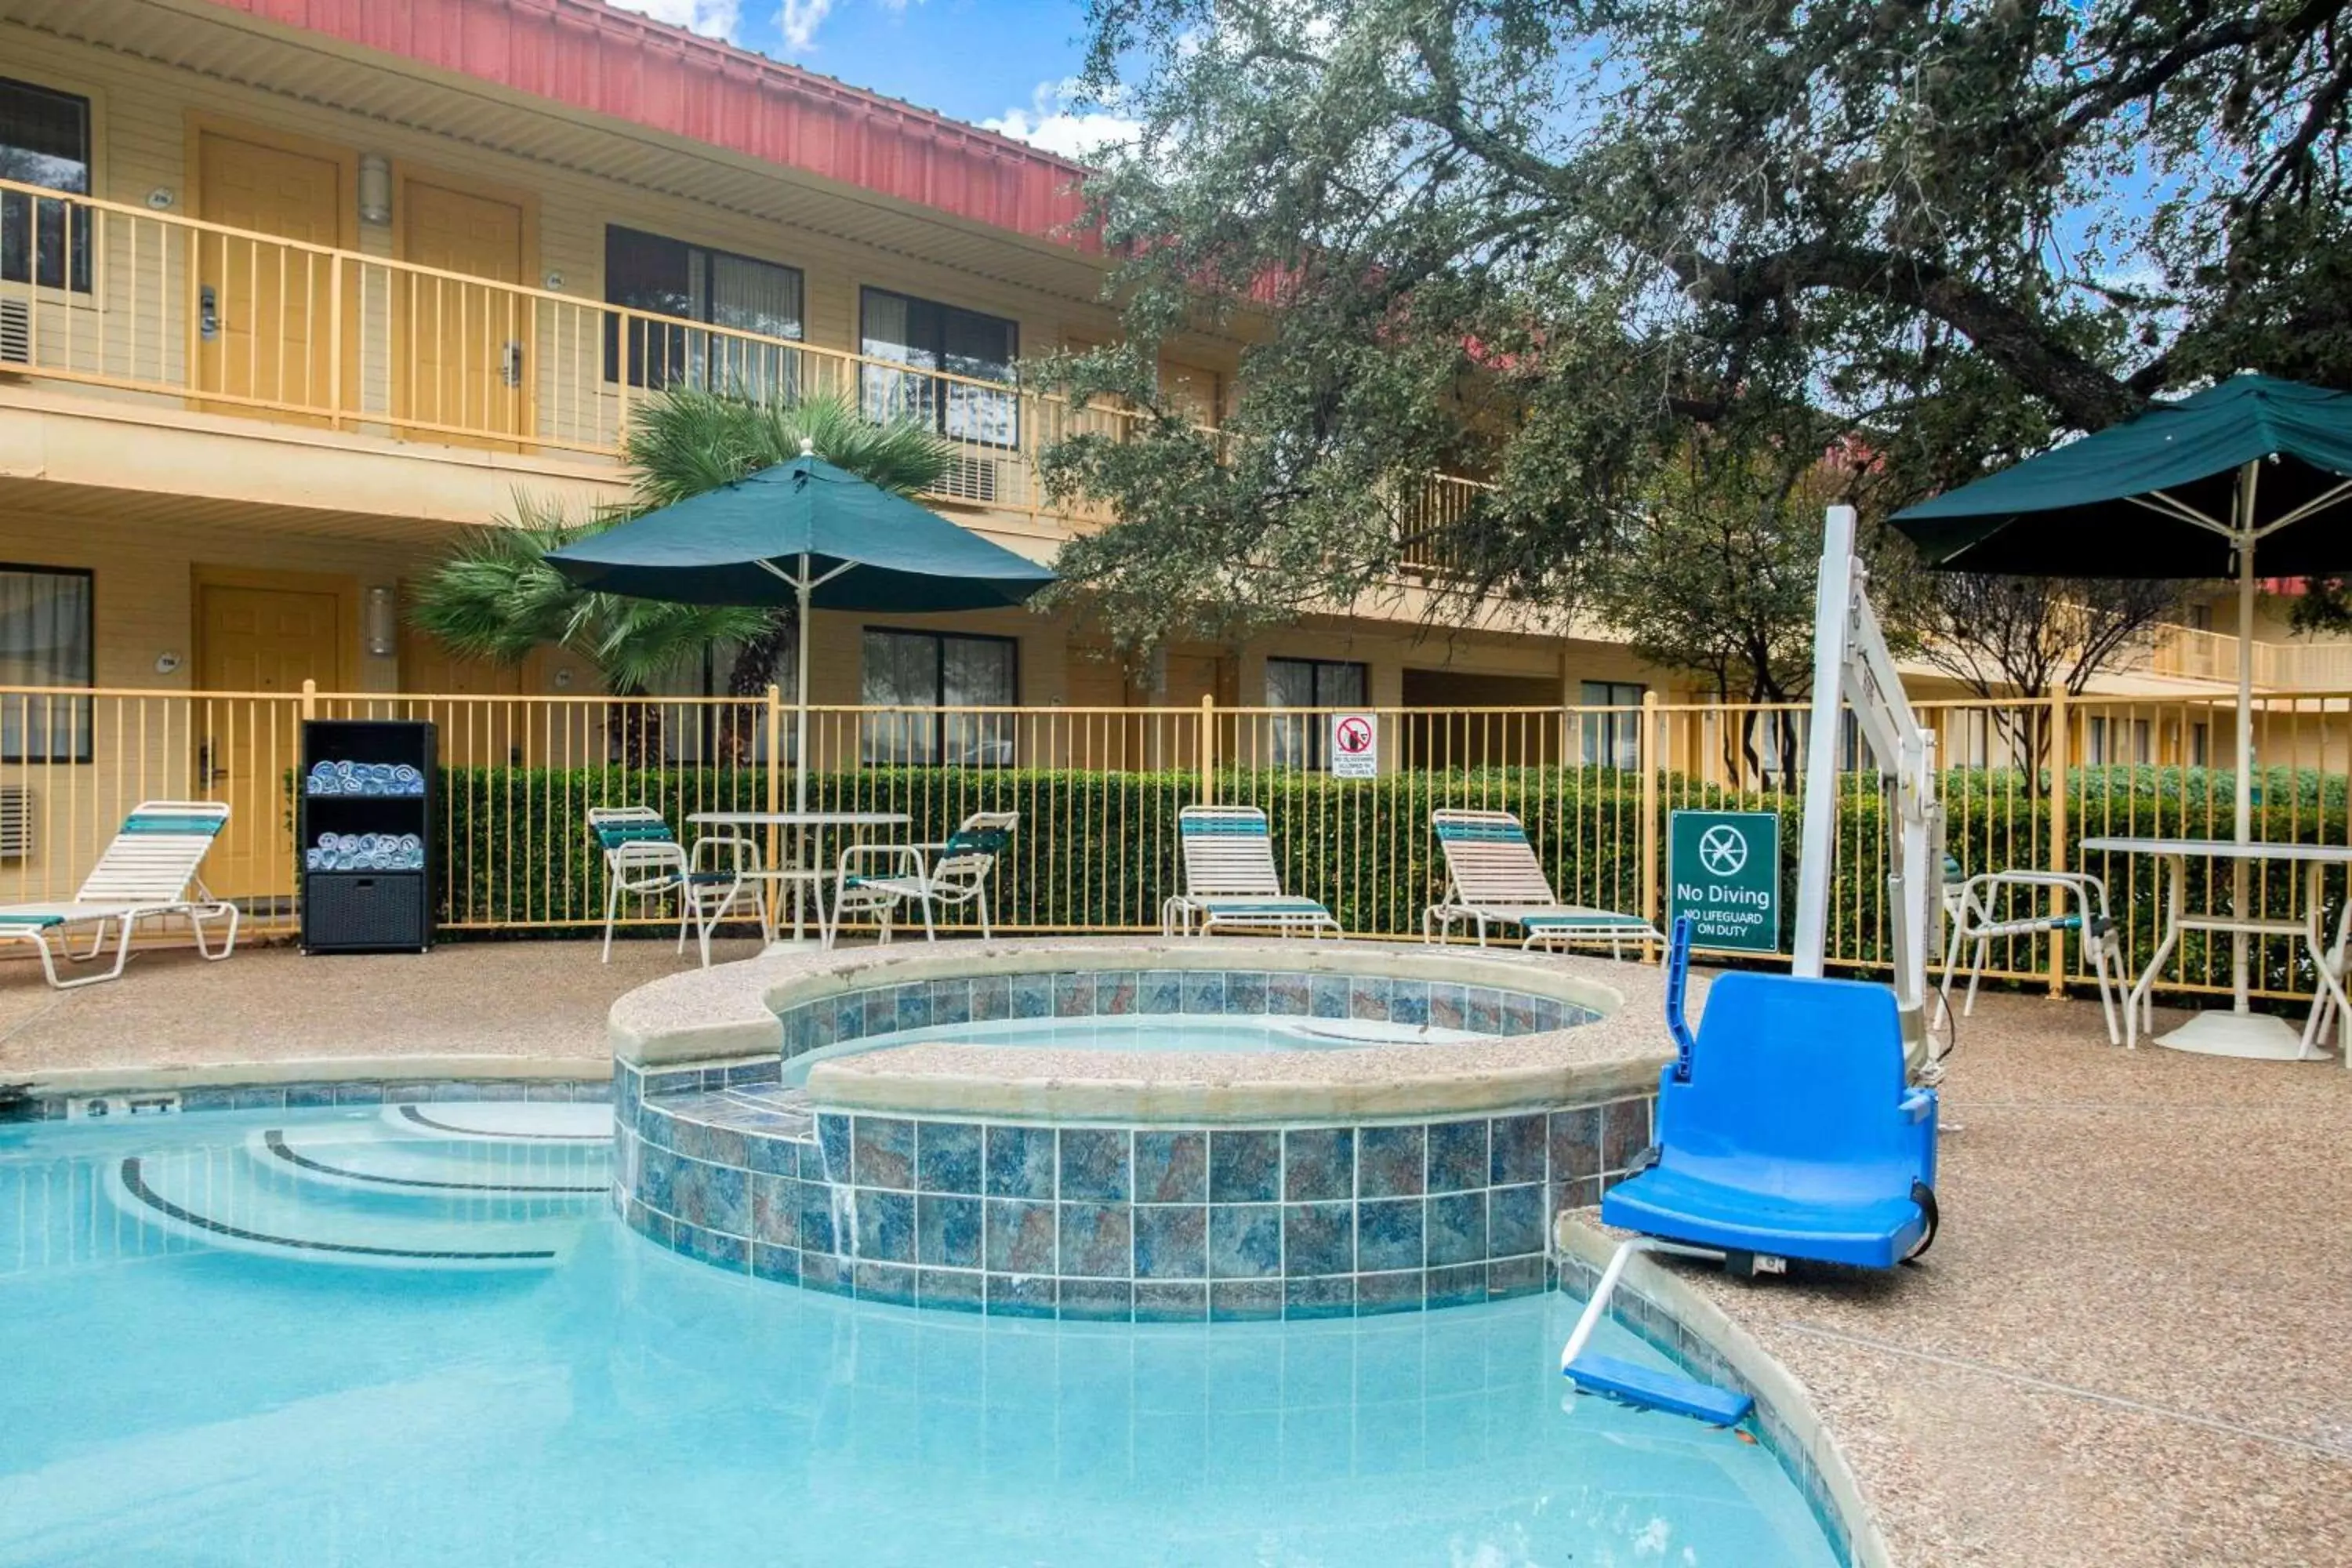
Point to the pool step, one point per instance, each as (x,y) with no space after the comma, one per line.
(505,1120)
(377,1158)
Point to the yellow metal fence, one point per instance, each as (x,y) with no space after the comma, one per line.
(1098,789)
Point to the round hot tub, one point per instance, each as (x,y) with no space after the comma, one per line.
(1134,1128)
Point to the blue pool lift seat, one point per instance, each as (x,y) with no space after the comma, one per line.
(1786,1130)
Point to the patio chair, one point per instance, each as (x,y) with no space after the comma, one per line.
(1970,904)
(644,860)
(954,873)
(1493,878)
(148,872)
(1230,880)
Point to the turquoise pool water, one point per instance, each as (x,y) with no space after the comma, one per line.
(189,1373)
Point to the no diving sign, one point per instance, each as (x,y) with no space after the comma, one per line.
(1355,746)
(1723,869)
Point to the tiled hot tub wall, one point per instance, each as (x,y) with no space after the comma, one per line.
(1117,1222)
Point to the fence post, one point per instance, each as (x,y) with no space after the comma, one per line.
(1207,747)
(1649,754)
(2061,743)
(310,699)
(775,764)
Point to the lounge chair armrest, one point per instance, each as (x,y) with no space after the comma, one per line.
(737,850)
(909,856)
(1918,1106)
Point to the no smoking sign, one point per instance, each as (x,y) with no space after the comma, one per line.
(1355,746)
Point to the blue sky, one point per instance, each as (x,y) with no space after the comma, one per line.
(998,63)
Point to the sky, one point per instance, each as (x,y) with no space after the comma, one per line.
(1002,64)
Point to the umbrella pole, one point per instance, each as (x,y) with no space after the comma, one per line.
(2239,977)
(800,694)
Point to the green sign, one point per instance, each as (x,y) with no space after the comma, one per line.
(1723,869)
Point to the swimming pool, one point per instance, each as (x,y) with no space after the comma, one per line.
(173,1394)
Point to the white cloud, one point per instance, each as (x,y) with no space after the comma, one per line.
(1049,122)
(711,18)
(798,22)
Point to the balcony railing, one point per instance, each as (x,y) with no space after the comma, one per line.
(2192,654)
(228,321)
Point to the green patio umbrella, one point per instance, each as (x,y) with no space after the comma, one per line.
(807,534)
(2194,489)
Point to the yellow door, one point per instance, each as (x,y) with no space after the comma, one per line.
(467,349)
(260,640)
(265,312)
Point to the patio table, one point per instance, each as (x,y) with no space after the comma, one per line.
(2239,1032)
(807,871)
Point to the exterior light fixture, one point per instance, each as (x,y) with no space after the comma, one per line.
(376,188)
(382,621)
(160,198)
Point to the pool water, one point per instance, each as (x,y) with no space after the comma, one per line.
(191,1374)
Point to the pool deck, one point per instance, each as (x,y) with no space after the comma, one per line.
(2131,1345)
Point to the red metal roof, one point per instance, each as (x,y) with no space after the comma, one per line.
(585,54)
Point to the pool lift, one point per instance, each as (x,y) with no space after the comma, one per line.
(1788,1126)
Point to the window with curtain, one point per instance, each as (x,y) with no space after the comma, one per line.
(45,641)
(925,335)
(44,140)
(712,733)
(937,672)
(668,278)
(1304,741)
(1612,740)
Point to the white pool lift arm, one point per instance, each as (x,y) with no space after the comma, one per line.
(1851,665)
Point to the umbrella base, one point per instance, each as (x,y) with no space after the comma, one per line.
(2255,1037)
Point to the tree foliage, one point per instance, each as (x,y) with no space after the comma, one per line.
(1548,241)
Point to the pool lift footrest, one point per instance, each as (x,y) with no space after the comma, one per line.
(1642,1386)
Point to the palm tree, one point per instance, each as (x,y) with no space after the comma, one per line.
(496,598)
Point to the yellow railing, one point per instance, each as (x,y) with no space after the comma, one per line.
(1099,788)
(2189,654)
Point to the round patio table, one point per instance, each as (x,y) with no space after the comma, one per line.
(2239,1031)
(806,874)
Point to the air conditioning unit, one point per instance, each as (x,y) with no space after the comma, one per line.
(15,331)
(15,820)
(967,478)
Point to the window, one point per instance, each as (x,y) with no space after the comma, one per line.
(2125,740)
(934,337)
(716,732)
(1612,740)
(668,278)
(1304,741)
(2200,737)
(934,670)
(44,140)
(45,641)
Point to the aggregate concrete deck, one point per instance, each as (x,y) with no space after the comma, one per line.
(2132,1344)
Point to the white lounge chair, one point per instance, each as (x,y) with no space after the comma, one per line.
(953,873)
(644,859)
(1969,905)
(149,872)
(1230,882)
(1493,878)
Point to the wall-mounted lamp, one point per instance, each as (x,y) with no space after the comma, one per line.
(376,188)
(555,281)
(166,662)
(382,622)
(160,198)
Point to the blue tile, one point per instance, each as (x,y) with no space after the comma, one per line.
(1483,1013)
(1019,1162)
(820,1023)
(713,1196)
(1172,1167)
(1020,1237)
(656,1176)
(949,1290)
(1625,1132)
(1515,1220)
(1448,1005)
(307,1094)
(1518,1013)
(951,1003)
(1094,1164)
(1506,1278)
(947,1231)
(1245,992)
(825,1272)
(710,1247)
(1115,992)
(1204,990)
(946,1156)
(1456,1287)
(1098,1301)
(882,1153)
(1575,1137)
(798,1029)
(833,1141)
(350,1094)
(1074,994)
(1399,1292)
(1408,1002)
(1390,1161)
(885,1226)
(1245,1166)
(1171,1241)
(1288,994)
(1098,1241)
(1021,1296)
(1160,990)
(1515,1150)
(1388,1234)
(992,997)
(1032,996)
(1457,1155)
(776,1210)
(1329,996)
(780,1264)
(651,1223)
(889,1284)
(1318,1238)
(881,1009)
(1368,998)
(1161,1302)
(913,1008)
(772,1155)
(1244,1301)
(257,1099)
(817,1220)
(1457,1228)
(1332,1296)
(1318,1164)
(1244,1241)
(1549,1015)
(848,1018)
